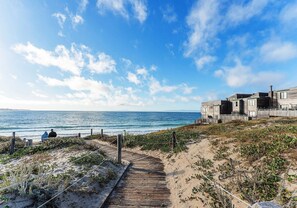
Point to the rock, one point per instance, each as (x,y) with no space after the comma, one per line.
(266,205)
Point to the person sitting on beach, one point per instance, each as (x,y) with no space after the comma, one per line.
(44,136)
(52,134)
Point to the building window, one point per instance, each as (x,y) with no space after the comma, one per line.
(283,95)
(236,104)
(252,102)
(252,114)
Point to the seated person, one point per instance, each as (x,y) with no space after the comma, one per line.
(52,134)
(44,136)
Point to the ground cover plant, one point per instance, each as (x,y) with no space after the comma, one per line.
(37,173)
(5,144)
(51,144)
(162,140)
(263,148)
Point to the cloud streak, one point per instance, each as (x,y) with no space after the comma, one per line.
(276,51)
(240,75)
(72,60)
(122,7)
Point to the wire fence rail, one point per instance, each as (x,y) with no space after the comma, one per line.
(63,191)
(217,185)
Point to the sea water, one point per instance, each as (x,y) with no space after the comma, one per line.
(32,124)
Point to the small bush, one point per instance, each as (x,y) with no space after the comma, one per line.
(55,143)
(5,143)
(88,159)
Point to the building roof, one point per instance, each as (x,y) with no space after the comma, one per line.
(288,89)
(215,102)
(238,96)
(259,94)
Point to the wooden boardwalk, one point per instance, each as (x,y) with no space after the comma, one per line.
(143,185)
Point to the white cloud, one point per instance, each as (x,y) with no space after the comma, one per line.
(116,6)
(202,61)
(39,94)
(82,6)
(153,68)
(289,13)
(140,10)
(142,71)
(170,48)
(104,64)
(121,7)
(51,81)
(71,60)
(13,76)
(61,18)
(274,51)
(77,83)
(127,62)
(169,14)
(238,13)
(240,75)
(156,87)
(76,20)
(208,19)
(133,78)
(30,84)
(92,92)
(60,33)
(219,73)
(203,22)
(67,60)
(187,90)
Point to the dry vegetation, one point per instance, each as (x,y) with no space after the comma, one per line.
(38,173)
(257,160)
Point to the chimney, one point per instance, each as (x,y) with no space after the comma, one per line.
(271,97)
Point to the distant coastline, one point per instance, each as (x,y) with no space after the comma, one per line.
(10,109)
(118,111)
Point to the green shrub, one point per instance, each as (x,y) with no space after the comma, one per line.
(162,140)
(50,144)
(88,159)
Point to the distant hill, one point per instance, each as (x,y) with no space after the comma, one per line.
(10,109)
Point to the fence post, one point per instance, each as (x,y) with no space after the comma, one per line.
(173,141)
(78,135)
(30,142)
(119,145)
(12,145)
(101,132)
(91,132)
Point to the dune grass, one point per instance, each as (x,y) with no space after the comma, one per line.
(162,140)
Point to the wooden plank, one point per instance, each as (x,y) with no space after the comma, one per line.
(144,185)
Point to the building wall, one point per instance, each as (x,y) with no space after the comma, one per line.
(235,106)
(286,99)
(210,109)
(254,104)
(226,107)
(238,106)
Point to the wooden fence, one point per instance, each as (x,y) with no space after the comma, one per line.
(276,113)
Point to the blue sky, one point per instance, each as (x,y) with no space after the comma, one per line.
(141,55)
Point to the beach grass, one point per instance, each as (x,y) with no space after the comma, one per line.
(267,148)
(161,140)
(6,141)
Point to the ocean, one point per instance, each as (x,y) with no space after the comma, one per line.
(32,124)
